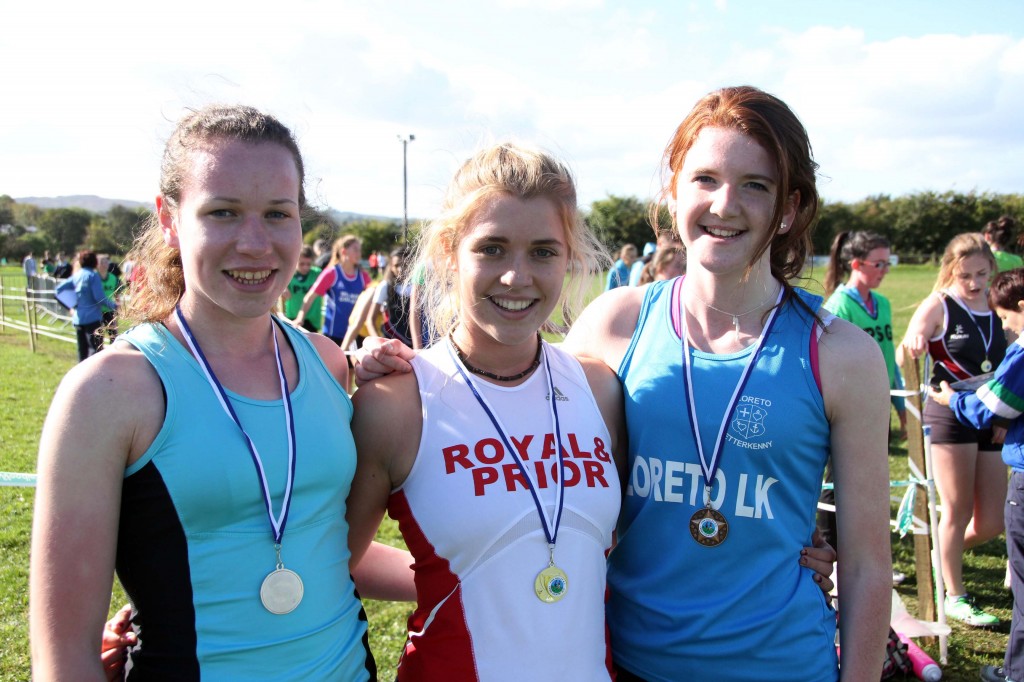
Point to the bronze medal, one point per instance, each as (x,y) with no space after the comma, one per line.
(708,527)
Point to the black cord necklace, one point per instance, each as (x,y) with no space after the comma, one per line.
(491,375)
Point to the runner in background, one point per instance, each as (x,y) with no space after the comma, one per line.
(340,284)
(302,282)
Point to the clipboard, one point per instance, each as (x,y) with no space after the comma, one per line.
(67,297)
(974,383)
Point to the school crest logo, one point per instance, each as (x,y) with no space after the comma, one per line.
(749,421)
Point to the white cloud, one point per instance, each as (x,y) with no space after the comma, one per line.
(892,111)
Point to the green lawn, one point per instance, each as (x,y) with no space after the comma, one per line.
(29,379)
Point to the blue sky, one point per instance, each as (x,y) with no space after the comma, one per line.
(897,96)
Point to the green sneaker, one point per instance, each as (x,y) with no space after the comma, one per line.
(965,610)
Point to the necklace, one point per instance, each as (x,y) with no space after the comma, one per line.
(735,316)
(708,526)
(491,375)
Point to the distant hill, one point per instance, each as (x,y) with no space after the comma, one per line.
(343,217)
(97,204)
(89,202)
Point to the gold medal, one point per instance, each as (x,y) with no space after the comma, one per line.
(551,584)
(708,527)
(986,365)
(281,591)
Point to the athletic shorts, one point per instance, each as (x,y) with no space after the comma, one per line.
(946,428)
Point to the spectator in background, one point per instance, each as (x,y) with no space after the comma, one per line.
(666,264)
(61,268)
(863,257)
(302,281)
(340,285)
(393,298)
(111,286)
(618,276)
(667,239)
(48,264)
(372,262)
(1000,234)
(29,266)
(87,315)
(323,254)
(964,338)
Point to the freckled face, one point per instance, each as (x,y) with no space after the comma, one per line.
(237,227)
(725,198)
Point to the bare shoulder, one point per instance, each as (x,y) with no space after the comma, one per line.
(852,368)
(388,397)
(930,310)
(843,344)
(605,327)
(117,392)
(332,356)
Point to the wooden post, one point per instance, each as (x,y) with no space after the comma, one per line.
(915,452)
(30,318)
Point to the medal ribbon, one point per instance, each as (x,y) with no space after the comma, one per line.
(710,468)
(550,526)
(277,523)
(970,314)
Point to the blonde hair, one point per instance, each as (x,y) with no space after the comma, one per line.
(960,248)
(510,170)
(158,282)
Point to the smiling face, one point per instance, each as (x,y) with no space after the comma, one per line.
(725,194)
(237,227)
(510,266)
(971,276)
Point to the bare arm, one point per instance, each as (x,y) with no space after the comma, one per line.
(105,413)
(856,393)
(924,325)
(360,312)
(385,456)
(385,573)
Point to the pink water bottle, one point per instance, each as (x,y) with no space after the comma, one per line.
(924,667)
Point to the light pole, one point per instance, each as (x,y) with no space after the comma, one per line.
(405,140)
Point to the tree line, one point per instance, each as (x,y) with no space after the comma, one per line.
(918,225)
(26,228)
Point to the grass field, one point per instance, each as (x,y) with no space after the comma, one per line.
(29,380)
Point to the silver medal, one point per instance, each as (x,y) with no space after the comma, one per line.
(281,591)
